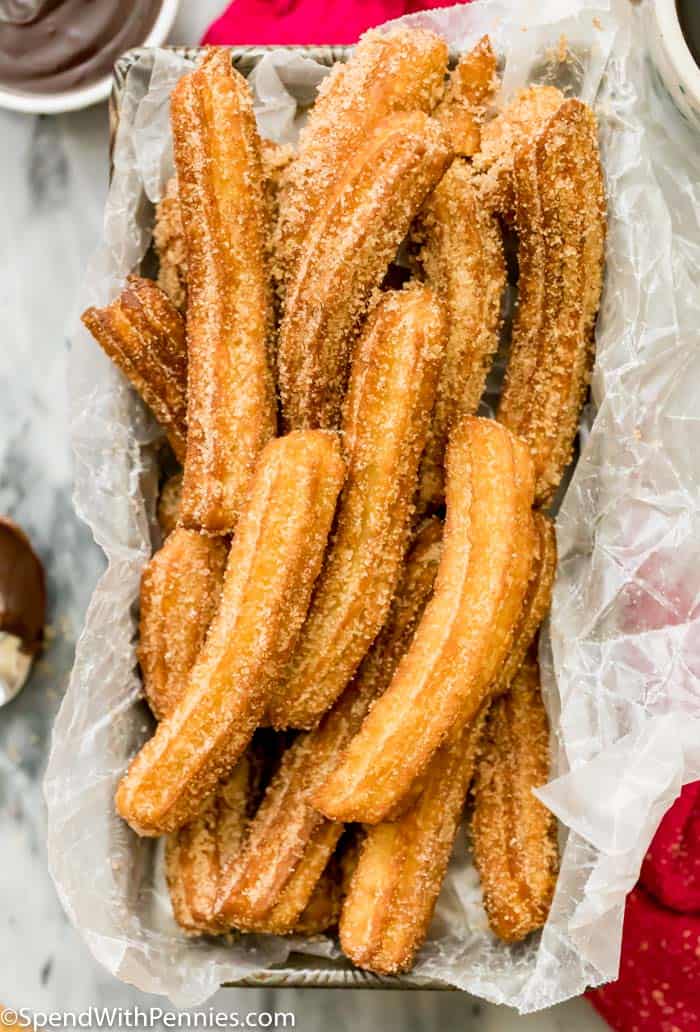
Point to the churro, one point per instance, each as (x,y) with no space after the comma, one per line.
(462,256)
(559,205)
(169,499)
(387,413)
(231,407)
(286,827)
(274,560)
(171,246)
(402,865)
(144,335)
(471,86)
(516,124)
(180,591)
(389,72)
(514,835)
(344,257)
(466,630)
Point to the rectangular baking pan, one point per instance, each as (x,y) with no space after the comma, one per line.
(300,971)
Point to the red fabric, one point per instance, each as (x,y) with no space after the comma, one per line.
(658,989)
(306,21)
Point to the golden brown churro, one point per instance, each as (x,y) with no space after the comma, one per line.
(462,256)
(231,411)
(519,121)
(514,835)
(402,864)
(559,204)
(389,72)
(168,511)
(180,591)
(471,86)
(344,257)
(273,562)
(196,855)
(143,334)
(286,826)
(465,633)
(387,413)
(171,246)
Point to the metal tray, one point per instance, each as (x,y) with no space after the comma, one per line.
(300,971)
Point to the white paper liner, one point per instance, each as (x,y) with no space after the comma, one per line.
(624,646)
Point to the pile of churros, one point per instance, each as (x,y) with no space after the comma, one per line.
(338,636)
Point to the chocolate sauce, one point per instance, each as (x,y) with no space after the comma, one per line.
(70,43)
(689,17)
(22,588)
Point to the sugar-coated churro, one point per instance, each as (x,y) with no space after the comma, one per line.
(180,591)
(344,257)
(231,409)
(144,335)
(519,121)
(471,86)
(169,499)
(274,560)
(171,246)
(559,204)
(514,835)
(389,72)
(402,864)
(466,630)
(286,826)
(462,256)
(387,414)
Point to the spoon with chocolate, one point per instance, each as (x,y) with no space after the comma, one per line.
(22,608)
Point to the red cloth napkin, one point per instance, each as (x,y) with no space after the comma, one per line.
(306,21)
(659,985)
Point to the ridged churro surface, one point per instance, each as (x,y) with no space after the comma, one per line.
(514,835)
(559,205)
(171,246)
(144,335)
(465,633)
(470,88)
(344,257)
(273,563)
(231,409)
(387,414)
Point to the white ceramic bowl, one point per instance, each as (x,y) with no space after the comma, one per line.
(84,96)
(673,59)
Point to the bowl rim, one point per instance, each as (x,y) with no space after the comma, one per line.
(676,46)
(85,96)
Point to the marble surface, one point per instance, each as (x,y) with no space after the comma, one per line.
(53,182)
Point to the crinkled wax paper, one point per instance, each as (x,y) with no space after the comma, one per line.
(621,665)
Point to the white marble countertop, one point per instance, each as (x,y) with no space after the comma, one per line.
(53,181)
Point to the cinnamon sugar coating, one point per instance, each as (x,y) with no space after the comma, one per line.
(471,86)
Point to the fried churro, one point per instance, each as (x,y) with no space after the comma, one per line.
(344,257)
(514,835)
(466,630)
(286,826)
(169,499)
(171,246)
(180,591)
(462,257)
(144,335)
(231,407)
(196,855)
(274,560)
(519,121)
(471,85)
(389,72)
(559,204)
(402,865)
(387,414)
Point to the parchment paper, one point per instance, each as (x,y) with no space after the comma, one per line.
(621,666)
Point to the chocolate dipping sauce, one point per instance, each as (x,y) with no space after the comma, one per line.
(689,17)
(22,588)
(69,43)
